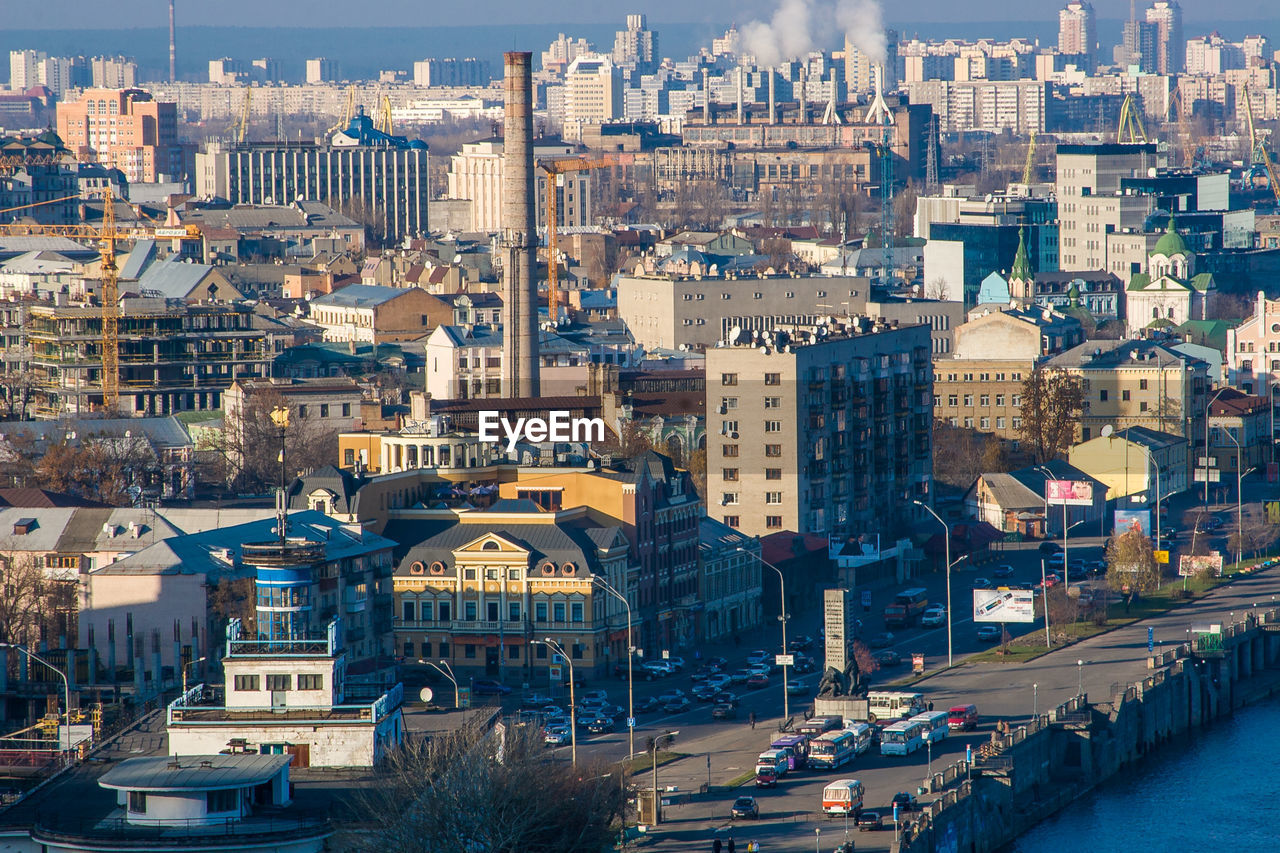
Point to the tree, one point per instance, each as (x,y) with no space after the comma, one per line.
(486,789)
(1256,532)
(696,462)
(28,602)
(629,439)
(1131,564)
(867,662)
(107,469)
(961,455)
(936,288)
(249,450)
(1052,400)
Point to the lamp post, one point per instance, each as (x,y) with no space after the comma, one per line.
(66,685)
(946,537)
(631,653)
(447,672)
(1207,407)
(1079,677)
(657,804)
(1239,492)
(573,708)
(782,591)
(1035,701)
(817,839)
(280,417)
(189,663)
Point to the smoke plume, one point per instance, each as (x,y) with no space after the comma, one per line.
(800,26)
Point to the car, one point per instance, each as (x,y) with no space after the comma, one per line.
(674,663)
(982,583)
(1056,561)
(1095,568)
(801,644)
(1004,570)
(723,711)
(739,676)
(933,616)
(726,698)
(676,706)
(766,779)
(796,688)
(745,807)
(870,821)
(1050,547)
(905,802)
(702,673)
(534,700)
(671,695)
(760,669)
(649,703)
(654,669)
(887,658)
(489,687)
(758,680)
(759,656)
(719,681)
(881,641)
(1050,580)
(599,725)
(704,692)
(989,633)
(718,663)
(556,735)
(804,664)
(552,712)
(595,696)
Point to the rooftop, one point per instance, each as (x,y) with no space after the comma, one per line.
(193,772)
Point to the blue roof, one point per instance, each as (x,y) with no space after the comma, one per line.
(144,252)
(172,278)
(361,128)
(361,295)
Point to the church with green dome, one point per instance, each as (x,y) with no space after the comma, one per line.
(1170,292)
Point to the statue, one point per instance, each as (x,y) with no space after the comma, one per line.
(848,683)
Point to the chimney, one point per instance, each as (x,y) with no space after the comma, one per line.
(173,49)
(773,98)
(519,238)
(739,94)
(803,118)
(706,98)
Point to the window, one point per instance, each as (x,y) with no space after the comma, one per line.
(138,802)
(302,411)
(575,612)
(348,456)
(308,681)
(728,379)
(773,450)
(1142,407)
(999,423)
(729,475)
(426,649)
(468,651)
(246,683)
(277,683)
(346,410)
(1102,395)
(575,651)
(410,611)
(540,611)
(773,426)
(513,611)
(728,498)
(984,400)
(968,423)
(425,606)
(469,609)
(728,427)
(731,520)
(540,652)
(1124,395)
(1142,384)
(727,403)
(324,410)
(444,611)
(1016,423)
(773,379)
(557,611)
(729,450)
(999,399)
(773,402)
(968,399)
(773,473)
(984,423)
(773,497)
(773,522)
(953,400)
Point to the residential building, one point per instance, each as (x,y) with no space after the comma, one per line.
(1017,106)
(821,428)
(1090,201)
(1253,349)
(113,72)
(124,129)
(730,583)
(1240,428)
(147,271)
(636,47)
(173,356)
(42,182)
(475,173)
(592,91)
(366,313)
(1131,461)
(382,178)
(1015,502)
(321,70)
(1171,292)
(325,404)
(452,72)
(59,74)
(1077,34)
(1170,47)
(1137,383)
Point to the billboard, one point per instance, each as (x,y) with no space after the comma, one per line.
(1189,565)
(1069,492)
(1004,605)
(1133,519)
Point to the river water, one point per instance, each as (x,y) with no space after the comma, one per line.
(1221,786)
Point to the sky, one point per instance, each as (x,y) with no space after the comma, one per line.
(91,14)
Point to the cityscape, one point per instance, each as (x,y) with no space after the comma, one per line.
(840,431)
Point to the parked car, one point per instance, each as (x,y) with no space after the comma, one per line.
(904,801)
(989,633)
(650,703)
(726,698)
(534,700)
(934,615)
(804,664)
(723,711)
(870,821)
(1056,561)
(759,656)
(1050,580)
(1002,571)
(796,688)
(717,662)
(596,696)
(674,663)
(1050,547)
(719,681)
(554,712)
(887,658)
(704,692)
(982,583)
(739,676)
(654,669)
(766,779)
(556,735)
(600,724)
(676,706)
(672,695)
(760,669)
(882,640)
(758,680)
(489,687)
(802,643)
(745,807)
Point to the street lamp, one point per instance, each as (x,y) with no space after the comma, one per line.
(782,591)
(817,839)
(1079,677)
(946,536)
(66,685)
(631,652)
(1035,701)
(447,672)
(1239,493)
(657,804)
(573,708)
(189,663)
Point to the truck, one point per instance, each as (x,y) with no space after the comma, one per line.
(906,608)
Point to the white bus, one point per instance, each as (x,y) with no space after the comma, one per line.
(935,724)
(843,796)
(886,705)
(863,736)
(833,750)
(902,738)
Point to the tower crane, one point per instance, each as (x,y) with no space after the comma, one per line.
(1029,168)
(1130,130)
(383,121)
(1258,151)
(347,113)
(554,169)
(106,235)
(242,128)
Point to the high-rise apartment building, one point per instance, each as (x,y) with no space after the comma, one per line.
(637,46)
(452,72)
(29,68)
(1139,46)
(125,129)
(1091,203)
(862,74)
(113,72)
(476,172)
(1077,33)
(592,91)
(820,429)
(321,70)
(1169,45)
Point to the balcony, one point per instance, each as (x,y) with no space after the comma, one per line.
(514,628)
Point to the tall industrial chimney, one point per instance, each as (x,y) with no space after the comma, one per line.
(706,98)
(773,97)
(804,100)
(739,94)
(173,49)
(519,237)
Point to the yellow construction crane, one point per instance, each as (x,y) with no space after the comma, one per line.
(1029,168)
(242,129)
(1130,129)
(106,235)
(1258,150)
(383,122)
(347,113)
(554,169)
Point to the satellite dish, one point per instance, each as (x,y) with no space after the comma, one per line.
(1108,431)
(426,694)
(734,333)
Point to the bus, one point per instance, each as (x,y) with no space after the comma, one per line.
(815,726)
(902,738)
(887,705)
(772,761)
(906,608)
(795,746)
(843,796)
(935,723)
(833,749)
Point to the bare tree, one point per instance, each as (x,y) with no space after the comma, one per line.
(1256,532)
(1051,403)
(107,469)
(961,455)
(696,461)
(936,288)
(477,788)
(27,604)
(249,450)
(1131,564)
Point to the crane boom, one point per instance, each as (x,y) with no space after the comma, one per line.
(555,168)
(1130,129)
(1258,148)
(1029,168)
(242,129)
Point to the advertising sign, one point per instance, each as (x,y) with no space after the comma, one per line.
(1004,605)
(1133,519)
(784,660)
(1189,565)
(1069,492)
(464,697)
